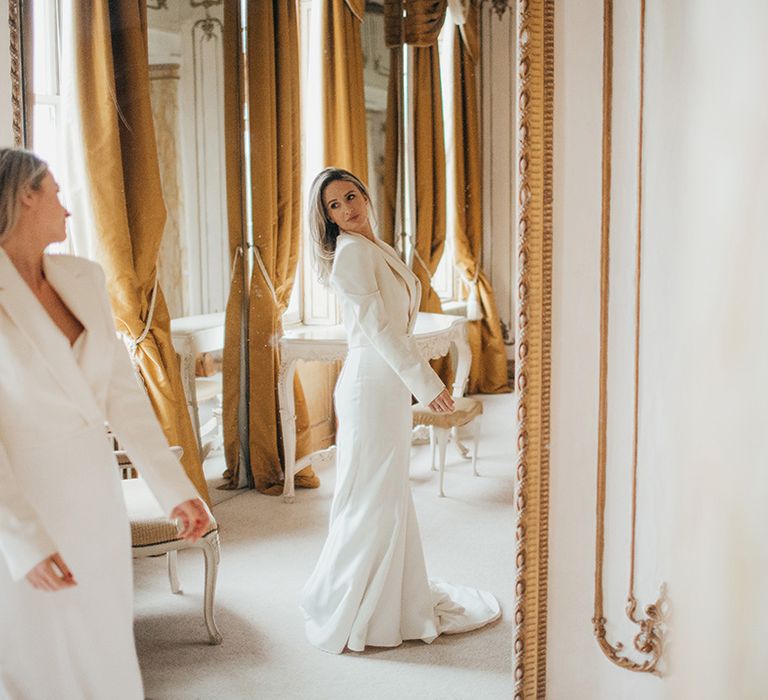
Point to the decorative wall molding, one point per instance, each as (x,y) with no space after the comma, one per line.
(535,33)
(498,100)
(164,94)
(164,71)
(202,139)
(649,640)
(499,6)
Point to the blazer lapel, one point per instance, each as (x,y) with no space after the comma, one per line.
(411,281)
(76,290)
(36,325)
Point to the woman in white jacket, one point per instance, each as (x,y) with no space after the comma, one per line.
(66,593)
(370,584)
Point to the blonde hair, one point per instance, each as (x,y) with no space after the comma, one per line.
(323,231)
(19,168)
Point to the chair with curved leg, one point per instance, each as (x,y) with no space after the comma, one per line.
(152,534)
(441,425)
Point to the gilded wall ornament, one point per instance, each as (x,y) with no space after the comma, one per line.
(649,640)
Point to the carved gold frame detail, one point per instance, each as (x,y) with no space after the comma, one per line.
(648,642)
(536,78)
(15,19)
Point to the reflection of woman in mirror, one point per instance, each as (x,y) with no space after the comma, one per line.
(66,593)
(370,585)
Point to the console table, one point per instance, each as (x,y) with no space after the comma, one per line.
(434,335)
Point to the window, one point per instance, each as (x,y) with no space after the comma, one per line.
(46,100)
(310,302)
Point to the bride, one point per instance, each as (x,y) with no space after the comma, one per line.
(370,584)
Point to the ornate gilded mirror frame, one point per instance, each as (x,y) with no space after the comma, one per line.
(536,78)
(20,49)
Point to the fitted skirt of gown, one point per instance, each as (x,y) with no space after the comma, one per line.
(370,584)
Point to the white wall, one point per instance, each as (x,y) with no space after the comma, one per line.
(717,103)
(576,668)
(6,111)
(704,379)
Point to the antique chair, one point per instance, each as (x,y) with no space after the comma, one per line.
(152,535)
(467,410)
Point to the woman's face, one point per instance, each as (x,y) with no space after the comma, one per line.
(346,206)
(49,214)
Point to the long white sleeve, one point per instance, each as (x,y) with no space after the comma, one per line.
(353,279)
(24,542)
(133,420)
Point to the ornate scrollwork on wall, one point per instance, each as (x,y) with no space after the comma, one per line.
(534,283)
(649,640)
(499,6)
(207,4)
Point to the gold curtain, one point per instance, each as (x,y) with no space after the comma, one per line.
(429,172)
(120,153)
(233,371)
(429,176)
(274,126)
(418,23)
(488,373)
(413,22)
(343,90)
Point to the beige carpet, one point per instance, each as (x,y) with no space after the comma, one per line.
(269,549)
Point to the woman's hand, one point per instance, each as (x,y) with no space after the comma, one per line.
(51,574)
(193,517)
(443,403)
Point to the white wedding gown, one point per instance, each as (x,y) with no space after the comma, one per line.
(370,584)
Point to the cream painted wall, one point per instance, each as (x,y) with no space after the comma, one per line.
(576,668)
(704,379)
(716,96)
(6,112)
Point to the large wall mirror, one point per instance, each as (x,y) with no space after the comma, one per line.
(187,79)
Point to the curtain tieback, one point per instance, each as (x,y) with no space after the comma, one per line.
(422,263)
(238,254)
(265,274)
(133,343)
(474,307)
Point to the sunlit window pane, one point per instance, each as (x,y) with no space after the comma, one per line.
(47,137)
(45,27)
(45,125)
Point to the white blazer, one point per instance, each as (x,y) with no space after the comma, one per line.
(53,413)
(370,279)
